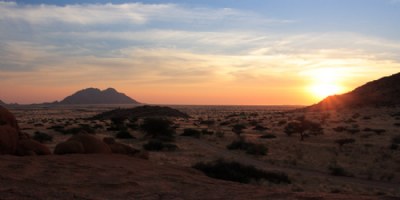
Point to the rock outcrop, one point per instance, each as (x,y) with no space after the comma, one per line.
(8,139)
(13,142)
(83,144)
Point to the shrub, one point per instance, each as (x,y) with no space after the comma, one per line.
(42,137)
(76,130)
(238,128)
(237,172)
(157,145)
(394,146)
(256,149)
(250,148)
(396,139)
(124,134)
(303,127)
(353,130)
(207,132)
(57,128)
(191,133)
(158,128)
(207,122)
(38,125)
(339,129)
(268,136)
(344,141)
(337,170)
(282,122)
(238,145)
(379,131)
(220,134)
(260,128)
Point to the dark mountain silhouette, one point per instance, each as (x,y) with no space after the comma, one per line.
(96,96)
(384,92)
(2,103)
(142,112)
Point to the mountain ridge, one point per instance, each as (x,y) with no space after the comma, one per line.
(96,96)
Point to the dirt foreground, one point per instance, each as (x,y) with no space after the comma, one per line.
(123,177)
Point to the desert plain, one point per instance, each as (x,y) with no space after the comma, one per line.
(355,155)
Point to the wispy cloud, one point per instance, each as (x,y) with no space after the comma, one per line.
(170,45)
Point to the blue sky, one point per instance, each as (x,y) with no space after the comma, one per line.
(229,52)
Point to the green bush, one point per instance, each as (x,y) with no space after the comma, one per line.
(237,172)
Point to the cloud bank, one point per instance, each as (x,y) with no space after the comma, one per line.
(163,47)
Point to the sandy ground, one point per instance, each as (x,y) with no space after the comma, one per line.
(372,167)
(122,177)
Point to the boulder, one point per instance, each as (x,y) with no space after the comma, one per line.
(7,118)
(69,147)
(8,139)
(14,142)
(26,147)
(83,143)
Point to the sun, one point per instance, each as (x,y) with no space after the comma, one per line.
(325,82)
(323,90)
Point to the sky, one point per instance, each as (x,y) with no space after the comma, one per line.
(206,52)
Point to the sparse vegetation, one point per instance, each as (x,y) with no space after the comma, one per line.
(237,172)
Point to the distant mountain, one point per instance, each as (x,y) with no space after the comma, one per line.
(384,92)
(2,103)
(96,96)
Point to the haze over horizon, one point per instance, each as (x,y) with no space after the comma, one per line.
(255,52)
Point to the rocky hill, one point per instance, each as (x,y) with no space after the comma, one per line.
(96,96)
(384,92)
